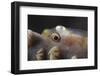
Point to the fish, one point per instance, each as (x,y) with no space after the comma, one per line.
(57,43)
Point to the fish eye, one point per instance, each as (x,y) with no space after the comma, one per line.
(55,37)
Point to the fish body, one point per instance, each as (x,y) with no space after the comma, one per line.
(72,43)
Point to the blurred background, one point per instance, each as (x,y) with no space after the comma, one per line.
(38,23)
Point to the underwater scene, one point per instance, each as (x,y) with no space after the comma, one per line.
(57,37)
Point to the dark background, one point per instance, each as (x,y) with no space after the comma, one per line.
(39,22)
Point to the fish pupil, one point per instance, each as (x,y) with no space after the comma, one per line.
(56,38)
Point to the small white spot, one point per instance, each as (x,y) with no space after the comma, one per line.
(60,28)
(74,57)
